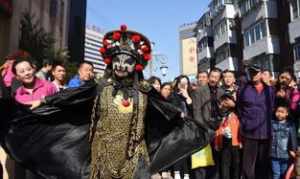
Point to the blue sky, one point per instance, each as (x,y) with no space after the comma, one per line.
(159,20)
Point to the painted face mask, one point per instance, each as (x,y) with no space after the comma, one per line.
(123,65)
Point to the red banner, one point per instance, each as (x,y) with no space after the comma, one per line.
(6,6)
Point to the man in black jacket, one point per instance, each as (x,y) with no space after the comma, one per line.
(206,113)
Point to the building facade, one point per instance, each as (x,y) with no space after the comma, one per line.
(52,15)
(261,33)
(218,33)
(294,33)
(93,42)
(243,32)
(225,36)
(77,25)
(205,42)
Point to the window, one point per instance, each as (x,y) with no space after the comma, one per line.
(53,8)
(243,8)
(221,29)
(202,44)
(222,54)
(252,36)
(258,33)
(297,52)
(246,39)
(228,1)
(295,9)
(251,3)
(263,29)
(255,33)
(247,5)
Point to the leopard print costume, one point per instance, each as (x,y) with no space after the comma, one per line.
(117,136)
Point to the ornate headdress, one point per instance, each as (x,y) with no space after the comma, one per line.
(126,42)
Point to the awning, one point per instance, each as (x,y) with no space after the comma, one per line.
(6,6)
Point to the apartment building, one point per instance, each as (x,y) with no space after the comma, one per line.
(93,42)
(223,13)
(205,42)
(233,33)
(294,33)
(259,21)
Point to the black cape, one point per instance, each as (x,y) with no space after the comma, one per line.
(53,140)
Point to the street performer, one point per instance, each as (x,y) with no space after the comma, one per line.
(119,128)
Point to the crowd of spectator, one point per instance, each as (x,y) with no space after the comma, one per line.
(254,117)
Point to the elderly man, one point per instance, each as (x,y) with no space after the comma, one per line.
(256,100)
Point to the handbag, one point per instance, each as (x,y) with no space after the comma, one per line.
(203,158)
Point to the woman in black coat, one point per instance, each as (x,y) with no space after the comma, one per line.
(181,97)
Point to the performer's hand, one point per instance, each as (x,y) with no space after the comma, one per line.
(35,104)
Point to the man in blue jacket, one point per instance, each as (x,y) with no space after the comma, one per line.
(256,101)
(85,73)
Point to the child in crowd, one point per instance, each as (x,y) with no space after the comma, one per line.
(284,140)
(33,89)
(227,139)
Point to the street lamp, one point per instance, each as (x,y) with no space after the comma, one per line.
(158,62)
(164,69)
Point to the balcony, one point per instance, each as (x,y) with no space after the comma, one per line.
(205,32)
(206,53)
(228,63)
(227,37)
(204,64)
(225,11)
(263,10)
(267,45)
(294,31)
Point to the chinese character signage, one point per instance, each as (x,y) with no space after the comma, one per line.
(189,56)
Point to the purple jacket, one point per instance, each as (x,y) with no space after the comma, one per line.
(256,112)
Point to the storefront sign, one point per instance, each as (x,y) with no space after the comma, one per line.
(189,56)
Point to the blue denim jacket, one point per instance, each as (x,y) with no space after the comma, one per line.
(284,139)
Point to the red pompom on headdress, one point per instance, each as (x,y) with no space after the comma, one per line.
(147,57)
(107,61)
(102,50)
(105,43)
(116,36)
(139,68)
(136,39)
(145,48)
